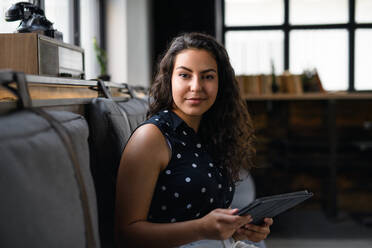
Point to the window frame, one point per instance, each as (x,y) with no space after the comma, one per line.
(351,26)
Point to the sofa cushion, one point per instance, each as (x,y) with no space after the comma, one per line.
(111,124)
(42,203)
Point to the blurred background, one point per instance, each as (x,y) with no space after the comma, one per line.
(304,68)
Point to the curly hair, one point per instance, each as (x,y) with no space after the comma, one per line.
(226,128)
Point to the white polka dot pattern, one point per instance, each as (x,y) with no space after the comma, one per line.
(191,185)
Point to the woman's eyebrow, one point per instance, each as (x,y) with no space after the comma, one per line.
(204,71)
(184,68)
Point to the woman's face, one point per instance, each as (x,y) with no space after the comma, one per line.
(194,82)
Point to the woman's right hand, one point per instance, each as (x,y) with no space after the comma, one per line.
(221,224)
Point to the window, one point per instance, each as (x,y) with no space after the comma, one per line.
(85,24)
(331,36)
(89,29)
(363,11)
(318,11)
(363,55)
(325,50)
(254,12)
(253,52)
(60,13)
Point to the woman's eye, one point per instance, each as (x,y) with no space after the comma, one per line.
(183,75)
(209,76)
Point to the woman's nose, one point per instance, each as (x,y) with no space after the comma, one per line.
(196,84)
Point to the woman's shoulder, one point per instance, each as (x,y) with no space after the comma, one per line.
(147,134)
(148,141)
(152,132)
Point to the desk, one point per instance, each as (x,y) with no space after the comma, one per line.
(329,112)
(310,96)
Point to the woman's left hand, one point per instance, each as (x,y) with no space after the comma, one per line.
(253,232)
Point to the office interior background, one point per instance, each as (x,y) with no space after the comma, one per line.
(329,156)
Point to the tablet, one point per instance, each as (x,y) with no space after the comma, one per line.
(271,206)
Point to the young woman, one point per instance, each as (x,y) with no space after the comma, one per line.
(177,173)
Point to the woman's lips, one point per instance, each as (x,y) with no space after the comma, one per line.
(195,100)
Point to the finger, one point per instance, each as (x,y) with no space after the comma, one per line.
(237,236)
(246,220)
(258,229)
(243,220)
(226,211)
(234,210)
(252,235)
(268,221)
(235,220)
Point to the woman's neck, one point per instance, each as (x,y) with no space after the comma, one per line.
(191,121)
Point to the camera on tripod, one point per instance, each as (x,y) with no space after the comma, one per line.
(33,20)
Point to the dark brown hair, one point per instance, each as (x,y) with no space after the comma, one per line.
(226,128)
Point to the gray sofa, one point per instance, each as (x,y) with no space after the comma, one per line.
(46,162)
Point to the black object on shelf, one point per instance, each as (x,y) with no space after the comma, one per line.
(33,20)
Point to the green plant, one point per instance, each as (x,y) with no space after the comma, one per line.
(101,56)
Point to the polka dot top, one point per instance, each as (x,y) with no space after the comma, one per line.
(191,185)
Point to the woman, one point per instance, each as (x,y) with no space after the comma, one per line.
(177,173)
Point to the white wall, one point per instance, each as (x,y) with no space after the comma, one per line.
(116,39)
(127,29)
(89,15)
(138,42)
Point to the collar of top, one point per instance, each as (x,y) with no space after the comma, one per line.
(176,121)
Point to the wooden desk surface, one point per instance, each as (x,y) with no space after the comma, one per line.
(310,96)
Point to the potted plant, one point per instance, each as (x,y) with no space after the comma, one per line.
(102,60)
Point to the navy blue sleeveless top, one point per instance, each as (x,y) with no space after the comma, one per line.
(191,185)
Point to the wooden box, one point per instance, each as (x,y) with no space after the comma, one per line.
(37,54)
